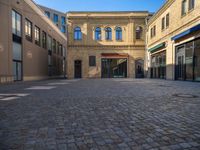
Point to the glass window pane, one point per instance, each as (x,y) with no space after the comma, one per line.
(17,51)
(197,60)
(189,61)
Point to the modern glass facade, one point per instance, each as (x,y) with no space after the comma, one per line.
(158,65)
(114,68)
(188,61)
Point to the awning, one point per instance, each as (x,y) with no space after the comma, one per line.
(157,47)
(114,55)
(191,30)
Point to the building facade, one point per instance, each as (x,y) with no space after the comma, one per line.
(58,18)
(31,46)
(173,41)
(106,44)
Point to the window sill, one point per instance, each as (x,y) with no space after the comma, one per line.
(189,11)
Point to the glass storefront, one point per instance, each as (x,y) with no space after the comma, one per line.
(188,61)
(158,65)
(114,68)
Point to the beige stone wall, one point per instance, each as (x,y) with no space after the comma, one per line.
(177,24)
(35,58)
(81,50)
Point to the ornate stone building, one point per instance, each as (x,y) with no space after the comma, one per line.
(106,44)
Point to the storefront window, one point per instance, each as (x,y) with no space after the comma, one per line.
(197,60)
(189,61)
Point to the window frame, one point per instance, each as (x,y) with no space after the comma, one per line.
(118,33)
(108,33)
(44,39)
(55,20)
(29,32)
(97,32)
(191,5)
(138,33)
(167,20)
(16,24)
(163,23)
(183,7)
(37,39)
(77,33)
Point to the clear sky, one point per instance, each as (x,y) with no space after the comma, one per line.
(102,5)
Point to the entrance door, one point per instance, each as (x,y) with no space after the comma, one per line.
(180,63)
(139,68)
(17,70)
(77,69)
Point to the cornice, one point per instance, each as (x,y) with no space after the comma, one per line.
(106,46)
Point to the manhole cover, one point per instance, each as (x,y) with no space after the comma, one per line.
(185,95)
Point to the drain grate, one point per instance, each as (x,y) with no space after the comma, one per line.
(185,95)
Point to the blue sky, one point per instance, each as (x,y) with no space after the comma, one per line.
(102,5)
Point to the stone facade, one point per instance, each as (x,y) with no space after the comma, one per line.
(88,46)
(178,23)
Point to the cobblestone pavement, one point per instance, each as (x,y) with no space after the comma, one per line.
(100,114)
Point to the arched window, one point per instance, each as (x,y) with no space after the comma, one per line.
(108,33)
(77,33)
(139,32)
(118,33)
(98,33)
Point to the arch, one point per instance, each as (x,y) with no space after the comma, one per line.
(77,33)
(108,31)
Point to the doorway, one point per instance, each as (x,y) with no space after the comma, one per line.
(139,68)
(77,69)
(180,63)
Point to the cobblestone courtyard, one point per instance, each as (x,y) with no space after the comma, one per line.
(100,114)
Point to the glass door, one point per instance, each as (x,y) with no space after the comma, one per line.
(180,63)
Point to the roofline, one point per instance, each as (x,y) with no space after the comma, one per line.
(156,14)
(108,12)
(40,12)
(51,9)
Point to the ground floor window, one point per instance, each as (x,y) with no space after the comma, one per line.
(188,61)
(114,68)
(158,65)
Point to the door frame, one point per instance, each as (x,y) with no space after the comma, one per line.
(75,68)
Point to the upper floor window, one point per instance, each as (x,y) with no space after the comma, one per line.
(16,23)
(47,14)
(28,30)
(37,35)
(55,18)
(118,33)
(77,33)
(167,20)
(139,32)
(63,29)
(98,33)
(184,5)
(153,31)
(163,23)
(191,4)
(63,20)
(108,33)
(44,39)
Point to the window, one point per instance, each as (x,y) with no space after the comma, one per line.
(167,20)
(63,29)
(37,35)
(138,32)
(118,33)
(184,4)
(163,23)
(16,23)
(54,45)
(77,33)
(44,39)
(191,4)
(92,61)
(61,50)
(55,18)
(153,31)
(108,33)
(63,20)
(49,41)
(28,30)
(47,14)
(58,50)
(98,33)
